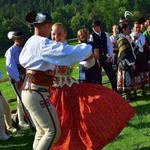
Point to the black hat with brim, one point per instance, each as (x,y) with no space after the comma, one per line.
(18,35)
(38,18)
(15,35)
(96,23)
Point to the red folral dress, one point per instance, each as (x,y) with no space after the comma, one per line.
(91,115)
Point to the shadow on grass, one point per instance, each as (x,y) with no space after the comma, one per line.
(145,108)
(20,140)
(146,98)
(142,110)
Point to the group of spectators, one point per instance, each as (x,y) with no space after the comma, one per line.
(131,56)
(124,56)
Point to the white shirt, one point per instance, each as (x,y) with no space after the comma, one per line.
(40,53)
(139,42)
(113,38)
(12,60)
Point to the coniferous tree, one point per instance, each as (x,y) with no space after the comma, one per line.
(74,14)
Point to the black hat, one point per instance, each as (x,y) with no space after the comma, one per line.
(38,18)
(96,23)
(141,20)
(15,35)
(122,19)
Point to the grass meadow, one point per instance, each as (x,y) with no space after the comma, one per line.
(136,135)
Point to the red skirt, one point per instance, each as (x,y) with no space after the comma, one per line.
(91,116)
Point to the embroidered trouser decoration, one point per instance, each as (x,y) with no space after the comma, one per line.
(44,116)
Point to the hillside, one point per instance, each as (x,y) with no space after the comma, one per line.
(74,14)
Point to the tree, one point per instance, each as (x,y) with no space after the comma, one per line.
(74,14)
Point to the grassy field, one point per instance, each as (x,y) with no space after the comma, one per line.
(136,136)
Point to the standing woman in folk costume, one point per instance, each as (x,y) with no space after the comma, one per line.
(17,74)
(126,80)
(91,115)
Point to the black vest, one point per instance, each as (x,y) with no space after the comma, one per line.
(100,42)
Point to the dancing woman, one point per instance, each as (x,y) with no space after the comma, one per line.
(90,115)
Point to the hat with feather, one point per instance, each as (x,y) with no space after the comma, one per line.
(15,35)
(38,18)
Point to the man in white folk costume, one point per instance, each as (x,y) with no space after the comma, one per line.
(39,56)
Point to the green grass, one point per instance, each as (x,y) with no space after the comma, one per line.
(136,136)
(22,140)
(6,87)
